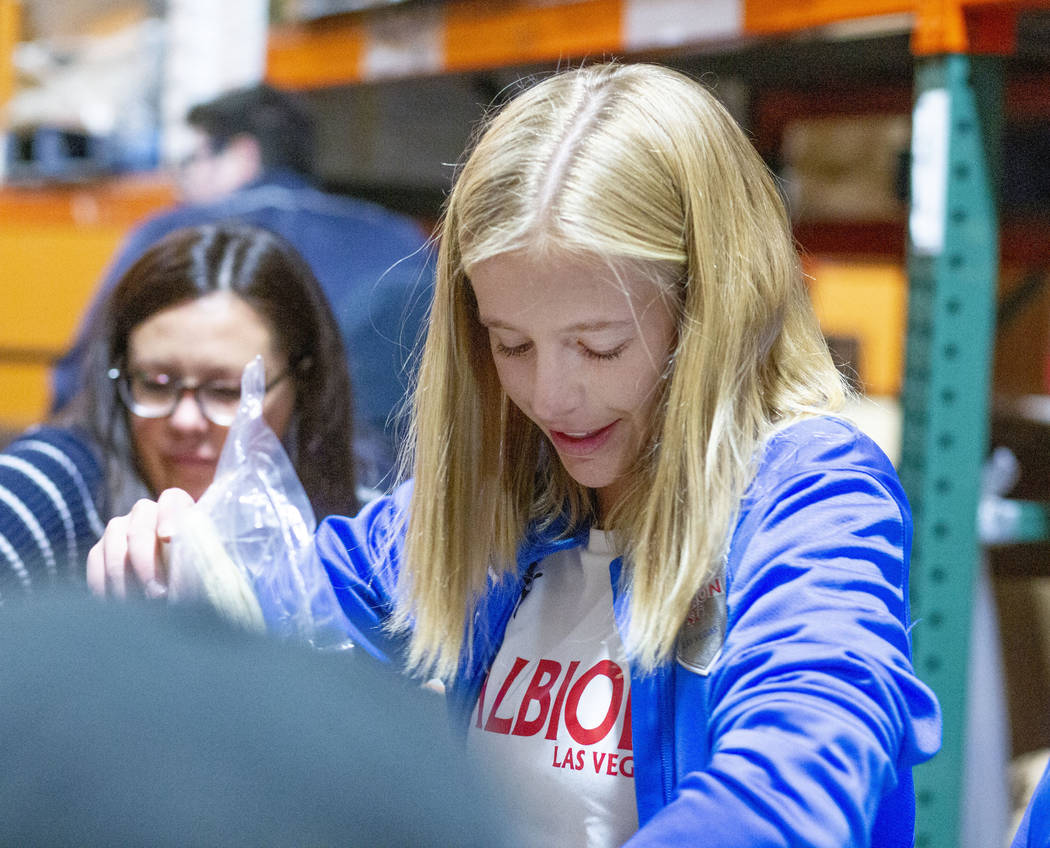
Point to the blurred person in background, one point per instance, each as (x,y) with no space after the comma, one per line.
(253,161)
(161,386)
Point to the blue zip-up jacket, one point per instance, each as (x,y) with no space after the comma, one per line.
(1034,830)
(806,726)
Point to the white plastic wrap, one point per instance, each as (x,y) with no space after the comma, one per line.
(246,547)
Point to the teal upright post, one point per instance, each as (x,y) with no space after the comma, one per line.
(953,271)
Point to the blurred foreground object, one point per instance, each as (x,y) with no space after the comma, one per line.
(152,725)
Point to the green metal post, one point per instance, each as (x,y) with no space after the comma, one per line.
(953,272)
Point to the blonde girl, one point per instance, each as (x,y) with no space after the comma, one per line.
(664,582)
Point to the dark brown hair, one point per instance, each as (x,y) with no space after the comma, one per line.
(268,273)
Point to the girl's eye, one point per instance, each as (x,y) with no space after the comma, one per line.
(516,350)
(224,393)
(603,355)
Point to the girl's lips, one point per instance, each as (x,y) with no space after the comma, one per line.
(190,460)
(582,445)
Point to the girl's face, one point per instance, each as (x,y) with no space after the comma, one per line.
(208,340)
(581,353)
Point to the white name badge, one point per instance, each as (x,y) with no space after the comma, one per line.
(700,640)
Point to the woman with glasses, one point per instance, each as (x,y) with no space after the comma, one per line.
(165,386)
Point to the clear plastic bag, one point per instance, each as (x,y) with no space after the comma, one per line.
(246,546)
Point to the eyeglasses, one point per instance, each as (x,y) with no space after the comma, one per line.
(157,395)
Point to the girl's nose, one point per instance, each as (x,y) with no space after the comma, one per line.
(188,415)
(556,392)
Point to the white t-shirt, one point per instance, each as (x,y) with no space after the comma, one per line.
(553,716)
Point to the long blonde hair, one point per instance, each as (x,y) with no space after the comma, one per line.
(636,164)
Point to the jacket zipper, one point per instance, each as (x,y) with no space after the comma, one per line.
(667,734)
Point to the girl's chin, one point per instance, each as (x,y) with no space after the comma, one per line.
(586,474)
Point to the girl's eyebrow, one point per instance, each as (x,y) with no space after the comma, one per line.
(207,372)
(581,327)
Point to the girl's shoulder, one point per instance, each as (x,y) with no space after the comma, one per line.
(819,444)
(379,525)
(824,439)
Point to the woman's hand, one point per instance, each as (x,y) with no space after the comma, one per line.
(132,548)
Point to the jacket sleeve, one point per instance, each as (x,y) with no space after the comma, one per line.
(361,556)
(1034,829)
(50,497)
(816,711)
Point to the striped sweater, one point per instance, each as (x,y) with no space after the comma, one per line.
(51,491)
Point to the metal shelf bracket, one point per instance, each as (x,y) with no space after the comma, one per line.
(953,273)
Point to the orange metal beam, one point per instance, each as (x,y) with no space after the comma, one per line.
(940,26)
(329,52)
(489,34)
(964,26)
(768,17)
(475,34)
(495,33)
(118,202)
